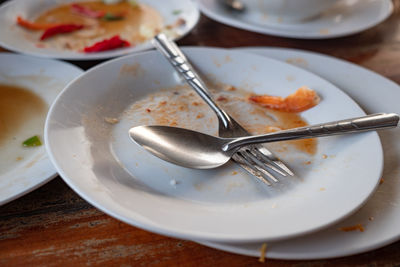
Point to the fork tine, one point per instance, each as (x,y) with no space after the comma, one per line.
(265,161)
(255,165)
(258,164)
(247,166)
(270,158)
(283,167)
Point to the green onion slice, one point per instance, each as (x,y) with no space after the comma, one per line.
(111,17)
(176,12)
(32,141)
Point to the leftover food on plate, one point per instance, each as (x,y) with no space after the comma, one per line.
(32,141)
(22,117)
(180,106)
(304,98)
(357,227)
(95,26)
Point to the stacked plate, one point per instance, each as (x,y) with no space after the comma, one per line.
(301,217)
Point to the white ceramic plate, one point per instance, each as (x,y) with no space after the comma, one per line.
(13,37)
(46,78)
(106,168)
(381,214)
(348,17)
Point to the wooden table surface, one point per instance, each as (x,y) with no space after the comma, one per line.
(53,226)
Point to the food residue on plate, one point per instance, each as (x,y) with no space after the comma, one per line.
(22,116)
(180,106)
(232,185)
(304,98)
(111,120)
(298,61)
(95,26)
(324,31)
(357,227)
(32,141)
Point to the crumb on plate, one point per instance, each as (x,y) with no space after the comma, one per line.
(111,120)
(356,227)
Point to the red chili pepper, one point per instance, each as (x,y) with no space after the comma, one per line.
(33,25)
(63,28)
(107,44)
(86,11)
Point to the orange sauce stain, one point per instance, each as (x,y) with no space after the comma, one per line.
(293,120)
(17,106)
(356,227)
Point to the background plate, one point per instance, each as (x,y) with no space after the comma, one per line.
(13,37)
(46,78)
(346,18)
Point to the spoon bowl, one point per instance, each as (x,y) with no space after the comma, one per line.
(182,146)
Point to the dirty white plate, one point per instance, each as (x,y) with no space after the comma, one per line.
(106,168)
(46,78)
(14,37)
(346,18)
(381,214)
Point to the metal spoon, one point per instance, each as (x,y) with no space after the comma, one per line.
(201,151)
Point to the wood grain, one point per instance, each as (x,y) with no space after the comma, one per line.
(53,226)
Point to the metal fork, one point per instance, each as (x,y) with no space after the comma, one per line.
(255,159)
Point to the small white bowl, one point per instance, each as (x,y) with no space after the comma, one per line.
(291,10)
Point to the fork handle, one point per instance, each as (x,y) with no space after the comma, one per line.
(179,61)
(371,122)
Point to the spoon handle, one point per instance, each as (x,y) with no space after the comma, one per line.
(371,122)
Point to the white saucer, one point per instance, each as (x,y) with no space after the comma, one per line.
(381,214)
(46,78)
(346,18)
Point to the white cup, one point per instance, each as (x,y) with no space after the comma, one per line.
(290,10)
